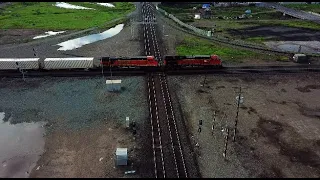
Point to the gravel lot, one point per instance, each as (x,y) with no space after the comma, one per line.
(278,128)
(84,121)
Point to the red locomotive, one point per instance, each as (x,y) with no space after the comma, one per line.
(174,62)
(129,62)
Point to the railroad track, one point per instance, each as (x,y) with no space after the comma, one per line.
(276,69)
(168,156)
(139,72)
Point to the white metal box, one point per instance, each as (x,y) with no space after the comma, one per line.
(113,85)
(68,63)
(22,63)
(122,156)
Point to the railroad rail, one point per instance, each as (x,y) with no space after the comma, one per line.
(167,152)
(125,72)
(274,69)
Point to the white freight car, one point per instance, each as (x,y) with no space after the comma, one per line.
(21,63)
(68,63)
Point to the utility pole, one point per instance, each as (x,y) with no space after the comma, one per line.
(204,81)
(34,52)
(236,120)
(21,70)
(132,28)
(102,68)
(110,68)
(299,50)
(226,144)
(213,122)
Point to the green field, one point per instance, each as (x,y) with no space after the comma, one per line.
(196,46)
(44,15)
(305,7)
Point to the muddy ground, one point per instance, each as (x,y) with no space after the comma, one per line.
(278,126)
(278,33)
(15,36)
(84,124)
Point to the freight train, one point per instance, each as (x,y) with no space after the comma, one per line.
(91,63)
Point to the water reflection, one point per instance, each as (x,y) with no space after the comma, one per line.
(79,42)
(49,33)
(106,4)
(20,147)
(69,6)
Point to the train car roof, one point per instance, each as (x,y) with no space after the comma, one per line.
(202,56)
(19,59)
(70,59)
(126,58)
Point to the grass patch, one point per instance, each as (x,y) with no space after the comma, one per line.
(237,11)
(305,7)
(44,15)
(256,39)
(195,46)
(298,24)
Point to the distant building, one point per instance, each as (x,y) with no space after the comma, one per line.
(205,6)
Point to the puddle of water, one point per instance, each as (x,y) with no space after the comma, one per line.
(106,4)
(69,6)
(79,42)
(49,33)
(20,147)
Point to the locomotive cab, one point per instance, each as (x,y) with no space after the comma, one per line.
(216,60)
(150,58)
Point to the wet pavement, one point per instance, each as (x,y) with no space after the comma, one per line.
(20,147)
(294,46)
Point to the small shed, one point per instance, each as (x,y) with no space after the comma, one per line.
(248,11)
(300,58)
(113,85)
(197,16)
(205,6)
(127,122)
(122,156)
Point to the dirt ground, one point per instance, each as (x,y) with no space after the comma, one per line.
(14,36)
(278,33)
(278,127)
(87,153)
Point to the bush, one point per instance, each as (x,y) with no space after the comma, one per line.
(28,3)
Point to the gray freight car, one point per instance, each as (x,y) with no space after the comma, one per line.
(19,63)
(69,63)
